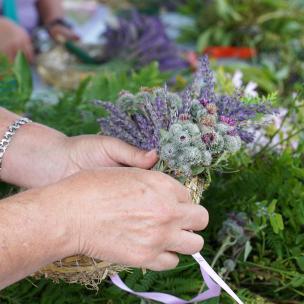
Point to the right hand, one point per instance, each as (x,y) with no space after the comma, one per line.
(130,216)
(13,39)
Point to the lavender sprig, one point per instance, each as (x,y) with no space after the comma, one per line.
(142,40)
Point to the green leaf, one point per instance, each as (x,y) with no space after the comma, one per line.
(23,74)
(198,170)
(272,206)
(248,249)
(276,222)
(298,281)
(81,89)
(300,262)
(203,40)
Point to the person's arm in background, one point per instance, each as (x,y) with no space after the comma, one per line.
(50,11)
(14,38)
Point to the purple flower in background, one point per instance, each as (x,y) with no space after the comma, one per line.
(142,39)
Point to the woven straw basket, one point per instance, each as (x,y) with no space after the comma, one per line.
(89,271)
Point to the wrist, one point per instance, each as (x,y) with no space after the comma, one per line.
(35,157)
(34,230)
(69,197)
(59,217)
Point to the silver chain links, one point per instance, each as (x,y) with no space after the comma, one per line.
(4,143)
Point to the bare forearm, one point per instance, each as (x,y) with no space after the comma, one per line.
(32,234)
(34,153)
(50,10)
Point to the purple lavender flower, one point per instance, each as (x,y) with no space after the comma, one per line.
(141,128)
(231,109)
(142,39)
(205,76)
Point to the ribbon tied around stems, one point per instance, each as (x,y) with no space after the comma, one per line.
(211,278)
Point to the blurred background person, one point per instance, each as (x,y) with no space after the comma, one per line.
(19,18)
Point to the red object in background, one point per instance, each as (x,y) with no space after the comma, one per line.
(221,52)
(230,52)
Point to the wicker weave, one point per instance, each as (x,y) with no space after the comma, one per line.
(91,272)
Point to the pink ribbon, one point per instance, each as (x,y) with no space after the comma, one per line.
(211,278)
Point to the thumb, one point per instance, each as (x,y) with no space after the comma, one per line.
(128,155)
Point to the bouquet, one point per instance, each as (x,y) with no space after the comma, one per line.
(193,132)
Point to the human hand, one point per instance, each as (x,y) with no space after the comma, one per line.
(129,216)
(38,155)
(96,151)
(13,39)
(59,32)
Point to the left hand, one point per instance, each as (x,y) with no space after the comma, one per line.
(38,155)
(95,151)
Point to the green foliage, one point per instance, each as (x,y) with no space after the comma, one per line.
(15,82)
(267,187)
(23,76)
(270,189)
(106,86)
(73,112)
(261,23)
(273,27)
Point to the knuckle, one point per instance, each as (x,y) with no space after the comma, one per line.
(134,155)
(143,258)
(186,194)
(153,240)
(164,213)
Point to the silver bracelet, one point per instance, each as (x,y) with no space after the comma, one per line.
(7,138)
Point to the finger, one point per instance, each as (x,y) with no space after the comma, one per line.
(186,242)
(64,32)
(164,261)
(128,155)
(69,34)
(182,193)
(193,217)
(172,186)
